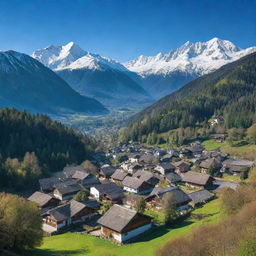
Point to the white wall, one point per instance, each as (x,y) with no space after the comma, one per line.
(94,192)
(136,232)
(130,190)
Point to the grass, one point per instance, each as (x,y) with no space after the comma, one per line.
(71,244)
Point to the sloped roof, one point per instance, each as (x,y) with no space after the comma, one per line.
(166,165)
(173,177)
(210,163)
(40,198)
(117,217)
(196,178)
(119,175)
(132,182)
(67,188)
(200,196)
(238,162)
(113,191)
(48,183)
(70,170)
(80,175)
(107,170)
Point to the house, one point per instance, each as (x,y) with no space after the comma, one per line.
(148,159)
(182,166)
(223,184)
(210,164)
(64,215)
(134,158)
(85,179)
(237,166)
(164,168)
(122,224)
(137,186)
(133,168)
(200,197)
(147,176)
(66,190)
(69,171)
(44,201)
(154,200)
(108,191)
(173,178)
(197,179)
(48,184)
(196,148)
(106,171)
(119,175)
(131,200)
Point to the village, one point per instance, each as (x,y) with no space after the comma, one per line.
(105,203)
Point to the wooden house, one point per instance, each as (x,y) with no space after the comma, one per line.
(164,168)
(137,186)
(197,179)
(66,190)
(200,197)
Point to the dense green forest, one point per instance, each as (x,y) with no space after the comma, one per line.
(33,146)
(230,91)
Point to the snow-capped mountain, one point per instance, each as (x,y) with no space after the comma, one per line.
(27,84)
(194,58)
(93,75)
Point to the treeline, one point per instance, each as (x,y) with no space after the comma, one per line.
(234,236)
(229,91)
(34,145)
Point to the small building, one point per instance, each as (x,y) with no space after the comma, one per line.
(108,192)
(44,201)
(165,168)
(223,184)
(154,200)
(86,179)
(66,190)
(237,166)
(122,224)
(48,184)
(182,166)
(64,215)
(106,171)
(200,197)
(137,186)
(118,176)
(210,164)
(147,176)
(197,179)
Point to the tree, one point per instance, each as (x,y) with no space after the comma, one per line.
(90,167)
(105,207)
(169,207)
(252,174)
(251,134)
(248,248)
(140,205)
(20,223)
(82,195)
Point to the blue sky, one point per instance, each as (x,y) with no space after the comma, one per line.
(124,29)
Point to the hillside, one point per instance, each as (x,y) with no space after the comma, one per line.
(22,132)
(27,84)
(229,91)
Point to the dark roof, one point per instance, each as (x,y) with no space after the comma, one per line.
(119,175)
(238,162)
(132,182)
(94,204)
(182,164)
(118,217)
(210,163)
(146,176)
(66,211)
(200,196)
(48,183)
(70,170)
(173,177)
(196,178)
(80,175)
(40,198)
(166,166)
(179,196)
(107,170)
(113,191)
(68,187)
(224,184)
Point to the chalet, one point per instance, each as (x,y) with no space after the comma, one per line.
(86,179)
(119,175)
(122,224)
(108,191)
(223,184)
(48,184)
(64,215)
(69,171)
(137,186)
(131,200)
(106,171)
(197,179)
(173,178)
(200,197)
(210,164)
(182,166)
(147,176)
(164,168)
(154,200)
(237,166)
(66,190)
(44,201)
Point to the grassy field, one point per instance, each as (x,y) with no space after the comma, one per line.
(71,244)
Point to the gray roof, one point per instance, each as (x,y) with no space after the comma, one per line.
(179,196)
(117,217)
(166,166)
(68,187)
(119,175)
(66,211)
(210,163)
(48,183)
(200,196)
(107,170)
(146,176)
(80,175)
(173,177)
(196,178)
(70,170)
(40,198)
(113,191)
(132,182)
(238,162)
(225,184)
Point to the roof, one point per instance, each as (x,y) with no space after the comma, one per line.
(48,183)
(119,175)
(70,170)
(68,187)
(118,217)
(173,177)
(225,184)
(80,175)
(200,196)
(166,166)
(132,182)
(196,178)
(238,162)
(210,163)
(107,170)
(179,196)
(113,191)
(66,211)
(40,198)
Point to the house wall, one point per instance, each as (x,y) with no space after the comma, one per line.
(94,192)
(135,232)
(130,190)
